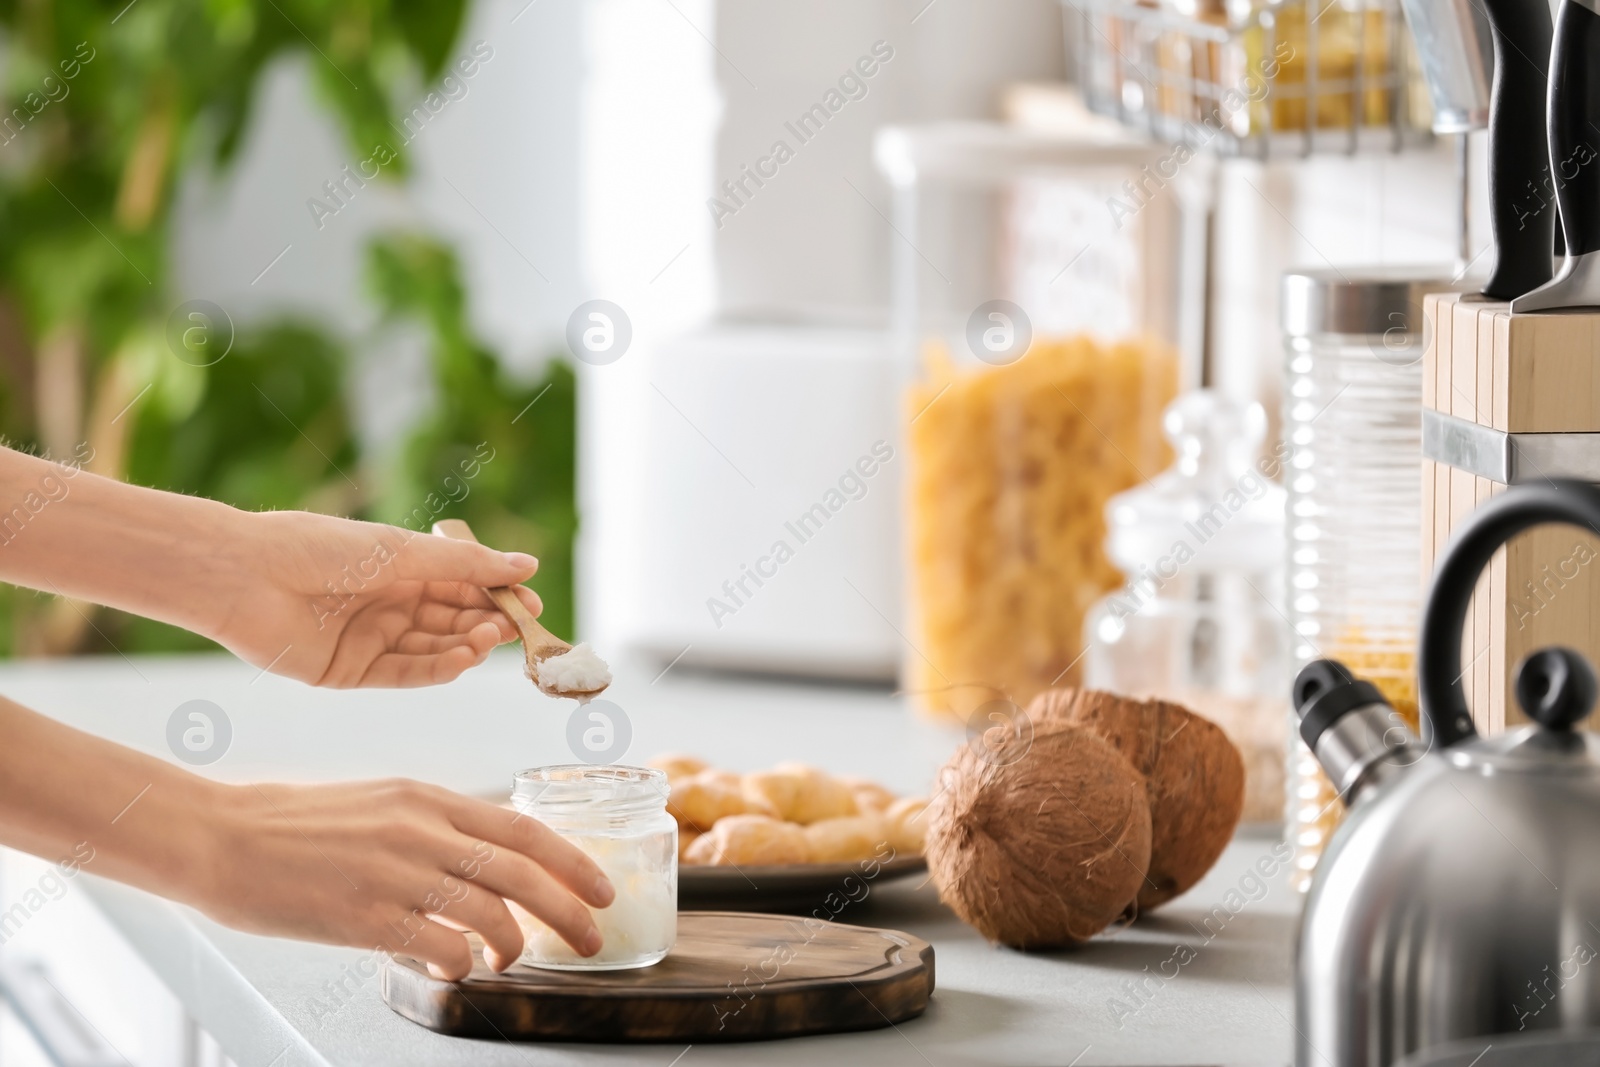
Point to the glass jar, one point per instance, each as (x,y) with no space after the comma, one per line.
(1011,469)
(1039,321)
(1198,621)
(618,817)
(1353,418)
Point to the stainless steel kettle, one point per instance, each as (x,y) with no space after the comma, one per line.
(1461,895)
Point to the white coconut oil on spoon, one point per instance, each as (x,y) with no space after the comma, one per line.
(557,668)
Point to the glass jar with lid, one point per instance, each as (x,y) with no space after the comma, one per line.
(618,817)
(1353,418)
(1198,621)
(1040,318)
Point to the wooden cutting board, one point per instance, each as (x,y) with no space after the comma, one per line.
(733,976)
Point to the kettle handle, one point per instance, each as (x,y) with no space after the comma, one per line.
(1444,700)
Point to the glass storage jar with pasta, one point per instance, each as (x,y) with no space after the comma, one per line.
(1040,334)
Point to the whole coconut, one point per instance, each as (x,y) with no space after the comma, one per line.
(1041,845)
(1194,777)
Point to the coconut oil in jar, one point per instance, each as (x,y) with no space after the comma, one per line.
(618,817)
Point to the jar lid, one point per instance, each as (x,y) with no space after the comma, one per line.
(1360,300)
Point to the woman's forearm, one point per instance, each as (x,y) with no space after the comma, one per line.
(66,531)
(395,865)
(70,796)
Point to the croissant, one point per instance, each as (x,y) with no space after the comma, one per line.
(699,801)
(846,839)
(750,840)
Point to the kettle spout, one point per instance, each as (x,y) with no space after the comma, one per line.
(1356,735)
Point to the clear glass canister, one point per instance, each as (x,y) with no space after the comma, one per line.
(1039,322)
(618,816)
(1197,620)
(1354,341)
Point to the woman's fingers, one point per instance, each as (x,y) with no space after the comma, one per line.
(481,638)
(480,909)
(462,595)
(445,951)
(395,670)
(443,559)
(515,877)
(505,829)
(444,619)
(530,599)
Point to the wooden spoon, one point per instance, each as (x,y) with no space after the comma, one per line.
(538,644)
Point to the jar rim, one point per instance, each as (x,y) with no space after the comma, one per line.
(585,784)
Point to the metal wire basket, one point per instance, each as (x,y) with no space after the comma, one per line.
(1293,78)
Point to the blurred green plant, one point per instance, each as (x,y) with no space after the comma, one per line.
(106,105)
(523,494)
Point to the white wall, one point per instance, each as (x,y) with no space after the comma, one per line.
(1333,211)
(808,242)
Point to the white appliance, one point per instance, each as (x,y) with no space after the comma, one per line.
(771,491)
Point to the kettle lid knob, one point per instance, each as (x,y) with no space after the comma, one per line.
(1556,687)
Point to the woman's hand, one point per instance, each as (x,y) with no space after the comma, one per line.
(340,603)
(328,601)
(397,866)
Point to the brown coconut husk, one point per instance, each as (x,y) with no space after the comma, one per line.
(1194,777)
(1041,846)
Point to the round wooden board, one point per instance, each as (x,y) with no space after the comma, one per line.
(733,976)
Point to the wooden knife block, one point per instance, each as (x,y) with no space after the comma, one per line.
(1521,374)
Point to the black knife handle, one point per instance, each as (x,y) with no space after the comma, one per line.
(1519,152)
(1574,116)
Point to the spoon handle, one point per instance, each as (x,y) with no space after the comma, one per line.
(538,642)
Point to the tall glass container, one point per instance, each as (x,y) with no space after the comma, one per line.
(1037,313)
(1353,418)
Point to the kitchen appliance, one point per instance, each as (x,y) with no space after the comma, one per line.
(1579,1049)
(1352,417)
(731,977)
(1573,109)
(761,547)
(1459,899)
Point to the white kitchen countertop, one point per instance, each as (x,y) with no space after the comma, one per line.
(1228,1002)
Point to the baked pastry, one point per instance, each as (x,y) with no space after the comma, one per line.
(846,839)
(820,796)
(697,802)
(906,825)
(749,840)
(677,765)
(772,793)
(793,813)
(869,796)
